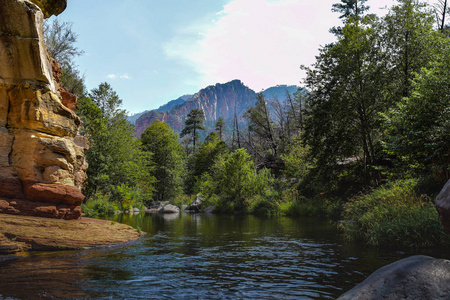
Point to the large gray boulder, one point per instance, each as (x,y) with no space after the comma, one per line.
(170,209)
(443,206)
(416,277)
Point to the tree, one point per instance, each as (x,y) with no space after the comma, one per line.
(346,96)
(350,8)
(441,10)
(419,127)
(220,124)
(203,160)
(235,181)
(167,157)
(261,124)
(116,161)
(60,41)
(194,123)
(409,40)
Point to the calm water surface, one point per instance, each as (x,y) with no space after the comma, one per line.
(203,257)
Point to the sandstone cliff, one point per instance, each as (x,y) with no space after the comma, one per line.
(42,164)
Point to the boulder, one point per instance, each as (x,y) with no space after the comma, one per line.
(170,209)
(443,206)
(415,277)
(196,205)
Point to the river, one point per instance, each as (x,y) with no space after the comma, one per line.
(203,256)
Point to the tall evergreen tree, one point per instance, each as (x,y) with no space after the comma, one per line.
(220,125)
(194,123)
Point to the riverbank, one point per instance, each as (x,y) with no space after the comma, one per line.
(23,233)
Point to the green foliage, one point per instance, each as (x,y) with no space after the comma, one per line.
(393,216)
(167,157)
(98,206)
(194,123)
(203,160)
(419,126)
(235,182)
(220,127)
(297,161)
(60,42)
(294,204)
(266,204)
(117,163)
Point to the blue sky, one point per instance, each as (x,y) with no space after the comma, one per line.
(153,51)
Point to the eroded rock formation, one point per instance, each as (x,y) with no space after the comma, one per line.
(42,162)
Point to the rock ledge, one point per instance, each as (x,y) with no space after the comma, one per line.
(25,233)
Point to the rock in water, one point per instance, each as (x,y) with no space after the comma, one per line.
(443,206)
(170,209)
(415,277)
(42,165)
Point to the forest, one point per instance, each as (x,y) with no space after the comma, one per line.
(366,141)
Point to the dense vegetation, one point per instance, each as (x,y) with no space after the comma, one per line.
(366,140)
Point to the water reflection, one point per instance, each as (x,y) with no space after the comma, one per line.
(202,256)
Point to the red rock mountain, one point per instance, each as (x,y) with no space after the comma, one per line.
(216,101)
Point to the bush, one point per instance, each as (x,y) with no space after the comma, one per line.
(293,204)
(266,204)
(393,215)
(98,205)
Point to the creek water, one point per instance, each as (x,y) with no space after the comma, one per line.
(200,256)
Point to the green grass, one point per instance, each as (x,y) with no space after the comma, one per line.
(395,215)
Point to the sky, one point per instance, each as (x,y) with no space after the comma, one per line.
(154,51)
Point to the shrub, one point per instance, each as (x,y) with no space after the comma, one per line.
(98,205)
(393,215)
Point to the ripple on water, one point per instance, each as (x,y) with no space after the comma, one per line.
(214,257)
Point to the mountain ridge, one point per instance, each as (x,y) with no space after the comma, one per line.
(219,100)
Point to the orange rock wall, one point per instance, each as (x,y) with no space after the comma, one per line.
(42,165)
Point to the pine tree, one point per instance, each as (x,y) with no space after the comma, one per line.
(220,124)
(194,123)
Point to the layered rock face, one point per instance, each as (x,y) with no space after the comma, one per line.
(42,162)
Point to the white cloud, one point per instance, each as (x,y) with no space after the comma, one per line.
(118,76)
(261,42)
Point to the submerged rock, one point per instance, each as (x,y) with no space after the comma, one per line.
(443,206)
(415,277)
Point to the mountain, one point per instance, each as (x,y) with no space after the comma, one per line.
(166,107)
(169,105)
(279,92)
(132,119)
(218,100)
